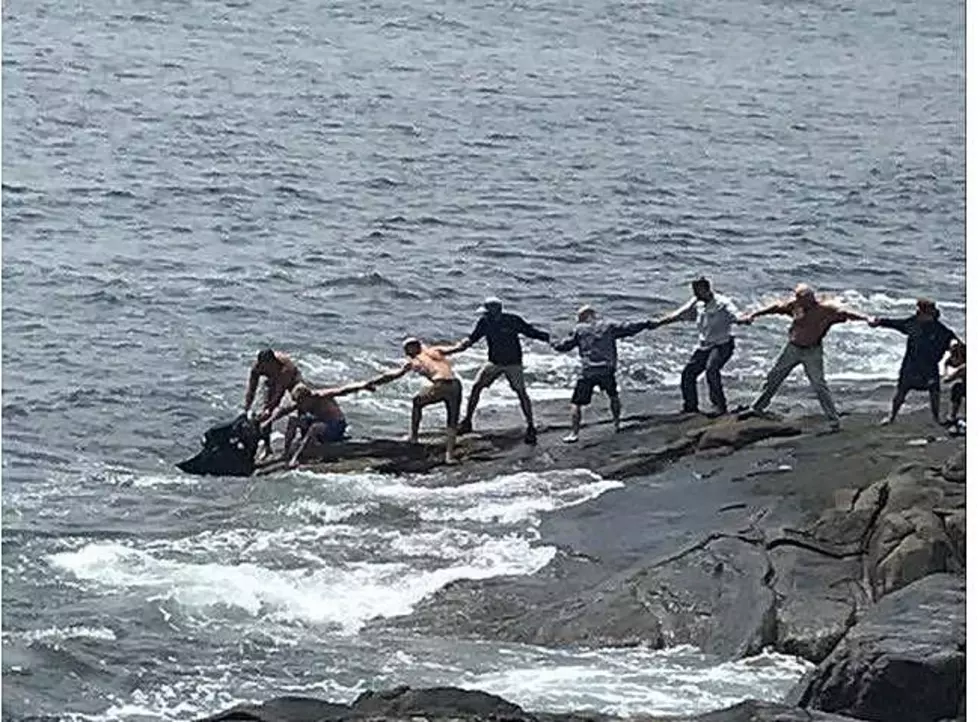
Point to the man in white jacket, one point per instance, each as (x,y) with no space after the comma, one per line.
(715,314)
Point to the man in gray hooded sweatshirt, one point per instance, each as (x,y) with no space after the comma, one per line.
(596,339)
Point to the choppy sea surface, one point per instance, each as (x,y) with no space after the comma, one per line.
(186,181)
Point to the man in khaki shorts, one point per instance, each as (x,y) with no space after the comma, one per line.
(431,362)
(504,358)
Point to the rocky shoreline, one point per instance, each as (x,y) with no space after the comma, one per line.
(848,550)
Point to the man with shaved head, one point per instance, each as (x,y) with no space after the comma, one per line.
(596,339)
(812,319)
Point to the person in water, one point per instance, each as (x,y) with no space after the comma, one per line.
(504,358)
(280,374)
(812,319)
(596,340)
(430,362)
(927,342)
(714,315)
(955,375)
(315,414)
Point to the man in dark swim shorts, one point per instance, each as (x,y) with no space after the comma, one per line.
(596,340)
(317,416)
(928,341)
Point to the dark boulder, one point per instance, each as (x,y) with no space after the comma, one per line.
(450,703)
(904,661)
(284,709)
(403,702)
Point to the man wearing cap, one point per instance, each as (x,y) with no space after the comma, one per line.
(431,362)
(812,320)
(596,339)
(504,358)
(715,315)
(928,341)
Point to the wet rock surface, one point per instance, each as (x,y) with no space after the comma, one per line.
(450,703)
(735,536)
(904,660)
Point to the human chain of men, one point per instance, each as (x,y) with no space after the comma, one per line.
(316,414)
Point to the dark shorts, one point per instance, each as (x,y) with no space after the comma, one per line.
(918,382)
(327,431)
(448,391)
(605,380)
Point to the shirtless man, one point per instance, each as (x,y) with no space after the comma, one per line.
(812,320)
(280,375)
(431,362)
(317,415)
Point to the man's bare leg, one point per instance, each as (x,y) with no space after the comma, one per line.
(304,442)
(576,424)
(292,426)
(897,401)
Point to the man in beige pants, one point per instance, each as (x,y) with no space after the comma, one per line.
(812,320)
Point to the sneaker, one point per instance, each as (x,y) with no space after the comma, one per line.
(531,436)
(571,438)
(465,427)
(715,413)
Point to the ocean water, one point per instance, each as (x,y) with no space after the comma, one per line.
(185,182)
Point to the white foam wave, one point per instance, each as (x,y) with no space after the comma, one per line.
(507,499)
(339,596)
(640,682)
(59,634)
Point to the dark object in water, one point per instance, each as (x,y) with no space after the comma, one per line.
(229,449)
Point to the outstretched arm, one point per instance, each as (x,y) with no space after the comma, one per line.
(631,328)
(388,376)
(530,331)
(343,390)
(896,324)
(780,307)
(846,315)
(566,344)
(456,347)
(687,312)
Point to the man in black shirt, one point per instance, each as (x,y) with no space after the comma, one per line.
(504,358)
(928,341)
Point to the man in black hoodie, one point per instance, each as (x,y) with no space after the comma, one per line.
(928,341)
(504,358)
